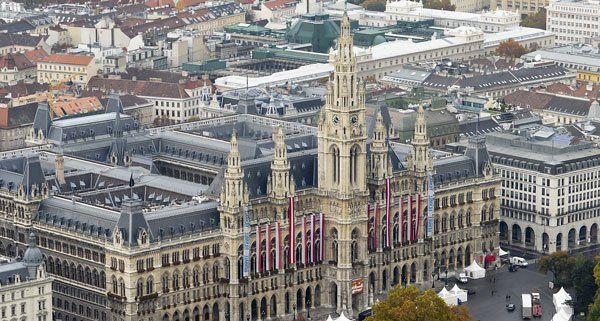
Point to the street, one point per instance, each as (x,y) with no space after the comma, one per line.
(485,307)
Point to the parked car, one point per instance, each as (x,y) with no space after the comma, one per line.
(510,307)
(515,260)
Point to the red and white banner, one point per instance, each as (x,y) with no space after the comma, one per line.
(292,232)
(313,252)
(268,239)
(277,245)
(258,248)
(322,236)
(369,240)
(388,242)
(410,218)
(418,215)
(304,254)
(376,227)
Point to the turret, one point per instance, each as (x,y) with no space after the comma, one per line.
(232,193)
(379,148)
(280,167)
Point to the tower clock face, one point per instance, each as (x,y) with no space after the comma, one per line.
(335,119)
(354,120)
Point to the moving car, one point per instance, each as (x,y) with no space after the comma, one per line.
(510,307)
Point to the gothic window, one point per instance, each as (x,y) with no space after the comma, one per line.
(468,219)
(139,289)
(176,280)
(121,287)
(115,286)
(335,166)
(354,247)
(452,222)
(334,245)
(185,278)
(196,277)
(483,214)
(165,283)
(149,285)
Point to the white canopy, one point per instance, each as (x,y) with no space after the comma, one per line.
(563,314)
(474,271)
(342,317)
(329,318)
(448,297)
(563,310)
(501,252)
(459,293)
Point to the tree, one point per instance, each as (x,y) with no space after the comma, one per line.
(374,5)
(594,308)
(409,304)
(583,282)
(560,264)
(510,48)
(535,20)
(440,5)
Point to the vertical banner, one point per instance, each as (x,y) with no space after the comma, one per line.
(387,213)
(376,227)
(401,201)
(410,218)
(268,239)
(322,236)
(246,260)
(258,248)
(304,254)
(430,198)
(369,240)
(418,216)
(292,232)
(277,245)
(313,252)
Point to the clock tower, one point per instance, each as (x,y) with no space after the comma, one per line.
(342,132)
(342,137)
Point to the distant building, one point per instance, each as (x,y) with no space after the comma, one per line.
(584,59)
(17,67)
(491,21)
(26,288)
(556,109)
(64,67)
(319,30)
(573,22)
(519,6)
(21,42)
(15,123)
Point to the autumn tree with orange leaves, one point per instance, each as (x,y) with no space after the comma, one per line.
(410,304)
(510,48)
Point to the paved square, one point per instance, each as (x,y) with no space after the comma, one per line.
(485,307)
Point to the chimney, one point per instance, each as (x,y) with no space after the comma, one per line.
(59,168)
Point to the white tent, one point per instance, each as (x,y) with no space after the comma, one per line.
(459,293)
(342,317)
(563,310)
(560,298)
(474,271)
(501,252)
(329,318)
(563,314)
(448,297)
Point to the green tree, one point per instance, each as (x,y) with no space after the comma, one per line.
(374,5)
(594,308)
(582,276)
(560,264)
(535,20)
(409,304)
(510,48)
(440,5)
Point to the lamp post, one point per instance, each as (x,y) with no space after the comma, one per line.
(308,309)
(294,311)
(432,280)
(446,279)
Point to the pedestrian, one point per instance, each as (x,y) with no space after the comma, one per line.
(506,296)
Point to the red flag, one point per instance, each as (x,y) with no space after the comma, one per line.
(258,248)
(292,232)
(268,236)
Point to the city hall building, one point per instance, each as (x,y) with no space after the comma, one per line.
(243,216)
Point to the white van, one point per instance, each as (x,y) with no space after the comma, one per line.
(462,278)
(515,260)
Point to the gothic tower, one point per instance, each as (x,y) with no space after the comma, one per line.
(420,161)
(280,184)
(342,131)
(342,139)
(234,202)
(378,162)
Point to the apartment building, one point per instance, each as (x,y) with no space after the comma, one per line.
(64,67)
(574,22)
(520,6)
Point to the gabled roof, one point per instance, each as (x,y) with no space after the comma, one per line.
(139,87)
(67,59)
(279,4)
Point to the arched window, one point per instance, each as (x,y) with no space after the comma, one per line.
(335,166)
(149,285)
(115,286)
(354,246)
(165,283)
(334,245)
(354,152)
(139,288)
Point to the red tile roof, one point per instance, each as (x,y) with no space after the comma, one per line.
(78,60)
(17,60)
(74,106)
(278,4)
